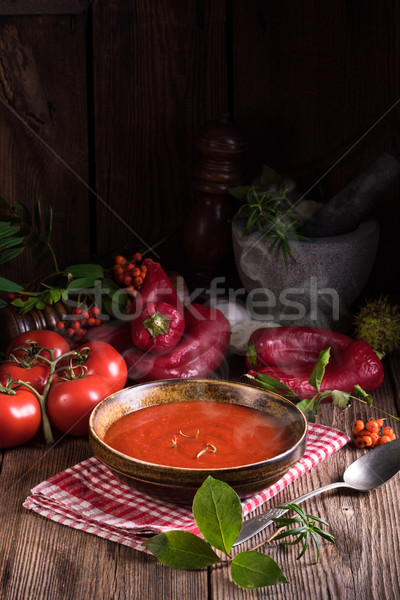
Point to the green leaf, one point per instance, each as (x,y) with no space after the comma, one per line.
(18,303)
(6,229)
(81,283)
(324,534)
(9,286)
(360,393)
(115,304)
(341,399)
(218,513)
(106,282)
(182,550)
(55,294)
(300,531)
(314,518)
(9,254)
(253,569)
(28,305)
(309,407)
(318,371)
(10,242)
(37,215)
(272,385)
(85,270)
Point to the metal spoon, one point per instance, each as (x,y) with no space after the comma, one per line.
(371,470)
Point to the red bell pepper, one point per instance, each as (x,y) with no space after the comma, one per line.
(356,364)
(199,353)
(158,321)
(291,346)
(158,328)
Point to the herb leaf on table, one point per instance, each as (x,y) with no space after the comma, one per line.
(218,513)
(254,569)
(182,550)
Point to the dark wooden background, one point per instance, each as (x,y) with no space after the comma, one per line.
(100,102)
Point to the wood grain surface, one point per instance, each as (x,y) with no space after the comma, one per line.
(42,559)
(116,94)
(43,124)
(304,91)
(159,74)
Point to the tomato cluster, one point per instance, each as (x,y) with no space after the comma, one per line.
(43,381)
(129,273)
(372,433)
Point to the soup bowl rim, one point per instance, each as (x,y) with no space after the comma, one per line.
(169,469)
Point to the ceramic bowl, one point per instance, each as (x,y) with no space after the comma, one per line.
(179,485)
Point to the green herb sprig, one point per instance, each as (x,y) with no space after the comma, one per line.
(267,210)
(217,512)
(79,283)
(310,406)
(306,528)
(10,247)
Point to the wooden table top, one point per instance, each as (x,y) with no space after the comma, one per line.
(41,559)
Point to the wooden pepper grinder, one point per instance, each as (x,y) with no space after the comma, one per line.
(12,322)
(220,148)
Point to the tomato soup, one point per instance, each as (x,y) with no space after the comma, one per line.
(199,435)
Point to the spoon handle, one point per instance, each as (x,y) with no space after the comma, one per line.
(258,523)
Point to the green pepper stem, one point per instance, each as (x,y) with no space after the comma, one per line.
(157,324)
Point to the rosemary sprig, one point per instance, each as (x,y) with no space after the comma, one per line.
(190,436)
(305,530)
(209,448)
(267,210)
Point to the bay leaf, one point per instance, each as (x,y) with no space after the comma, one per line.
(254,569)
(218,513)
(181,550)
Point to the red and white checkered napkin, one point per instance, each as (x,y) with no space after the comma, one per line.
(89,497)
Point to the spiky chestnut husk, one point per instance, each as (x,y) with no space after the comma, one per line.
(378,323)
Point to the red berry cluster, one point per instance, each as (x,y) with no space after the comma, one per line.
(371,434)
(83,319)
(11,296)
(129,274)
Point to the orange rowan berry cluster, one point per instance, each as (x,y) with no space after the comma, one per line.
(372,433)
(129,274)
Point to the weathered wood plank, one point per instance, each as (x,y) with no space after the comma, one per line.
(43,7)
(43,559)
(308,99)
(159,73)
(43,126)
(364,525)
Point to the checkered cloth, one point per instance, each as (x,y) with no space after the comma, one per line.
(88,497)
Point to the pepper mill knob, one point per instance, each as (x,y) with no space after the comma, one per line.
(219,148)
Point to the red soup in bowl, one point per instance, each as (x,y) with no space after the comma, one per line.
(199,435)
(165,437)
